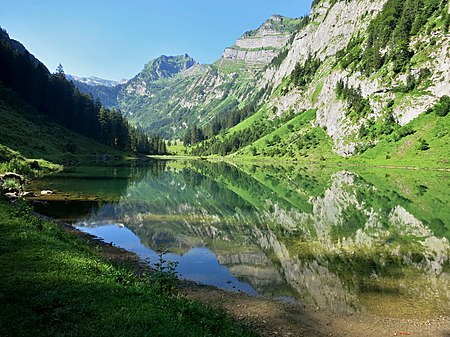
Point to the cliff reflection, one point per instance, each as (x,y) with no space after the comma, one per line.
(337,239)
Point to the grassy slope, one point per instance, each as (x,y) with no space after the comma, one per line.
(23,130)
(53,284)
(290,134)
(402,153)
(435,130)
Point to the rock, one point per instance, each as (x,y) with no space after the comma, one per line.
(27,194)
(11,195)
(12,175)
(46,192)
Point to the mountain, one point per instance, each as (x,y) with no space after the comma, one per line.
(104,90)
(19,48)
(95,81)
(362,78)
(174,92)
(355,78)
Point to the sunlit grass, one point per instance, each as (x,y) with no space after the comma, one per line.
(53,284)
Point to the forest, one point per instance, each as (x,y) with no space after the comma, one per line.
(54,96)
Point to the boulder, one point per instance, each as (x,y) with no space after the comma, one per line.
(46,192)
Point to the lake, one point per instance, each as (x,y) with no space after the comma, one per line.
(349,240)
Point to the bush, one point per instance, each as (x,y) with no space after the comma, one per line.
(403,132)
(442,108)
(11,184)
(423,145)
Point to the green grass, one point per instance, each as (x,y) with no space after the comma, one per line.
(405,152)
(24,130)
(53,284)
(13,161)
(284,141)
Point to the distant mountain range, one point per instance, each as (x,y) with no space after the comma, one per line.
(172,92)
(95,81)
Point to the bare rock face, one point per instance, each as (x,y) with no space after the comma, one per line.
(330,30)
(262,45)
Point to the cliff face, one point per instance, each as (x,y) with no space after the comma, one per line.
(260,46)
(331,29)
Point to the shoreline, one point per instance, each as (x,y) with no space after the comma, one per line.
(270,317)
(289,161)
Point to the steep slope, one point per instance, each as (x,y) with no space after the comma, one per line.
(338,32)
(35,136)
(26,81)
(364,81)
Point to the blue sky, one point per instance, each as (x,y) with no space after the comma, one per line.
(113,39)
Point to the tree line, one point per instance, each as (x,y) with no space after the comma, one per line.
(54,96)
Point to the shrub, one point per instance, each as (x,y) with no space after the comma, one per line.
(423,145)
(11,184)
(442,107)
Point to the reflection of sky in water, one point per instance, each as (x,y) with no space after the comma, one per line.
(339,240)
(198,264)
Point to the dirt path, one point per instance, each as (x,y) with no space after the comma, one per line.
(273,318)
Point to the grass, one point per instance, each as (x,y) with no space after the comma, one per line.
(24,130)
(53,284)
(406,151)
(13,161)
(285,139)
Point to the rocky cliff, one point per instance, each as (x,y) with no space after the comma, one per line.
(260,46)
(333,26)
(365,69)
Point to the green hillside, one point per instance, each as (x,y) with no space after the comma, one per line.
(36,136)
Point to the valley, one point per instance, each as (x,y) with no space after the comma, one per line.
(297,186)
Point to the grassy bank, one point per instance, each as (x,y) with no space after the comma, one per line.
(54,284)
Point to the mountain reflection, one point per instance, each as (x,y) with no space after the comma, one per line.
(365,241)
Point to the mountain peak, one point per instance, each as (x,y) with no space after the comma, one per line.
(261,45)
(95,81)
(167,66)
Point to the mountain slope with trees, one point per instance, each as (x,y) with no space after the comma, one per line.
(382,104)
(52,96)
(195,94)
(360,79)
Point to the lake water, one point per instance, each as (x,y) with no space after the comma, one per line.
(372,240)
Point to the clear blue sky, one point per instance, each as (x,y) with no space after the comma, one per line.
(113,39)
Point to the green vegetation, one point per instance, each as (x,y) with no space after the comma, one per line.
(394,27)
(424,142)
(56,98)
(358,105)
(53,284)
(303,73)
(282,24)
(442,107)
(36,136)
(13,161)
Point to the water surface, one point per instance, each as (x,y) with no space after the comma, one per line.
(368,241)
